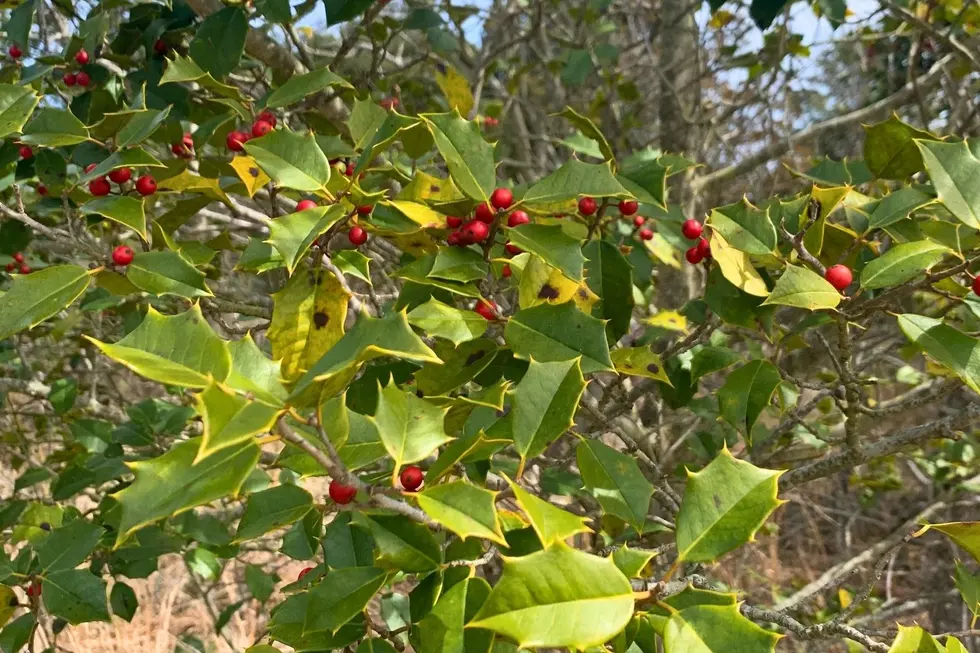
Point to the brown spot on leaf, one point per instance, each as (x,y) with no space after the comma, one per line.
(419,394)
(253,171)
(582,294)
(434,189)
(653,368)
(547,292)
(320,319)
(717,500)
(474,357)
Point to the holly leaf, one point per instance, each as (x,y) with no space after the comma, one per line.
(969,587)
(616,481)
(171,484)
(575,179)
(443,321)
(746,393)
(895,206)
(179,350)
(966,534)
(464,509)
(410,428)
(292,160)
(340,11)
(468,155)
(632,562)
(401,543)
(902,263)
(550,523)
(712,359)
(803,288)
(544,404)
(948,346)
(219,41)
(558,597)
(274,508)
(587,127)
(890,149)
(127,211)
(443,629)
(140,127)
(723,506)
(543,284)
(300,86)
(294,234)
(459,365)
(230,418)
(167,273)
(737,267)
(552,245)
(54,128)
(715,629)
(68,546)
(610,276)
(639,361)
(250,173)
(953,169)
(457,264)
(549,333)
(253,373)
(17,103)
(745,227)
(33,298)
(75,595)
(913,639)
(340,596)
(123,601)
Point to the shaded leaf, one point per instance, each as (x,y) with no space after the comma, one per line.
(549,333)
(464,509)
(616,481)
(32,299)
(747,393)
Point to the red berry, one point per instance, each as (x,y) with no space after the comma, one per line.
(303,573)
(26,269)
(839,276)
(90,167)
(453,222)
(180,149)
(261,128)
(19,257)
(587,206)
(486,310)
(502,198)
(267,116)
(646,234)
(517,218)
(15,52)
(81,57)
(340,493)
(490,122)
(42,190)
(99,186)
(484,213)
(475,231)
(122,255)
(389,103)
(357,236)
(693,256)
(411,478)
(454,239)
(638,221)
(303,205)
(160,47)
(146,185)
(691,229)
(506,272)
(26,152)
(121,175)
(513,249)
(11,267)
(34,589)
(365,210)
(83,79)
(704,248)
(188,140)
(976,285)
(349,171)
(235,141)
(628,207)
(69,79)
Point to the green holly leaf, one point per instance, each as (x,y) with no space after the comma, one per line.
(133,158)
(746,393)
(392,126)
(468,155)
(410,428)
(708,360)
(340,596)
(549,333)
(54,128)
(253,373)
(33,298)
(401,543)
(443,321)
(913,639)
(558,597)
(18,27)
(544,404)
(219,41)
(140,127)
(632,562)
(723,506)
(552,245)
(895,206)
(17,103)
(167,273)
(366,120)
(715,629)
(294,234)
(300,86)
(171,484)
(902,263)
(271,509)
(478,446)
(77,596)
(418,272)
(123,601)
(464,509)
(572,180)
(346,546)
(966,534)
(307,320)
(14,636)
(890,149)
(127,211)
(610,276)
(444,629)
(179,350)
(291,160)
(372,645)
(230,418)
(969,587)
(616,481)
(948,346)
(745,227)
(341,11)
(69,546)
(803,288)
(458,264)
(587,127)
(953,169)
(550,523)
(352,262)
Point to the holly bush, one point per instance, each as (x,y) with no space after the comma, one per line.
(226,282)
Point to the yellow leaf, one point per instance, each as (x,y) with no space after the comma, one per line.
(670,320)
(187,182)
(456,89)
(7,596)
(663,251)
(844,597)
(639,361)
(250,174)
(543,284)
(737,267)
(420,214)
(426,187)
(417,244)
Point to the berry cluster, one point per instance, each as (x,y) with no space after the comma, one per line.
(145,185)
(264,123)
(19,264)
(81,78)
(701,250)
